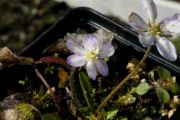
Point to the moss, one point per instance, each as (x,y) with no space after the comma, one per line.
(27,112)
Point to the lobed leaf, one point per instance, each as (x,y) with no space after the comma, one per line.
(175,88)
(142,88)
(163,73)
(162,94)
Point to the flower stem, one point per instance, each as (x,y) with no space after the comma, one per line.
(119,86)
(48,87)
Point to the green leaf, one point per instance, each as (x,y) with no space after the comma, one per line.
(86,79)
(163,73)
(111,113)
(41,91)
(176,42)
(84,109)
(175,88)
(162,94)
(87,89)
(142,88)
(122,118)
(51,116)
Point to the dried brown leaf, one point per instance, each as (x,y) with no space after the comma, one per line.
(8,58)
(64,77)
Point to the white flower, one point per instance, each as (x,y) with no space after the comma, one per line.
(155,32)
(90,53)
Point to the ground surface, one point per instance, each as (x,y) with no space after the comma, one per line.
(22,21)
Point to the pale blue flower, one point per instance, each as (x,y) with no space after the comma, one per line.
(154,32)
(90,53)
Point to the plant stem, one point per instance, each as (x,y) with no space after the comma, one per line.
(119,86)
(48,87)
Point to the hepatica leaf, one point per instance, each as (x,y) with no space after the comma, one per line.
(50,59)
(142,88)
(175,88)
(111,113)
(162,94)
(163,73)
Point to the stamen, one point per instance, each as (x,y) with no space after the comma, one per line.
(155,29)
(92,54)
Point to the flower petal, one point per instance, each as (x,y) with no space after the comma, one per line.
(102,67)
(76,60)
(136,21)
(172,23)
(146,39)
(90,42)
(166,49)
(106,50)
(166,32)
(91,69)
(75,47)
(79,38)
(150,9)
(103,36)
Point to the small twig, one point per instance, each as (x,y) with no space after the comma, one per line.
(119,86)
(48,87)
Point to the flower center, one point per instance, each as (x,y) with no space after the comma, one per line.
(155,29)
(92,54)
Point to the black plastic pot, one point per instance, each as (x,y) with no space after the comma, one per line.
(87,19)
(83,17)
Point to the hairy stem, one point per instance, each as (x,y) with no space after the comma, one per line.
(48,87)
(119,86)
